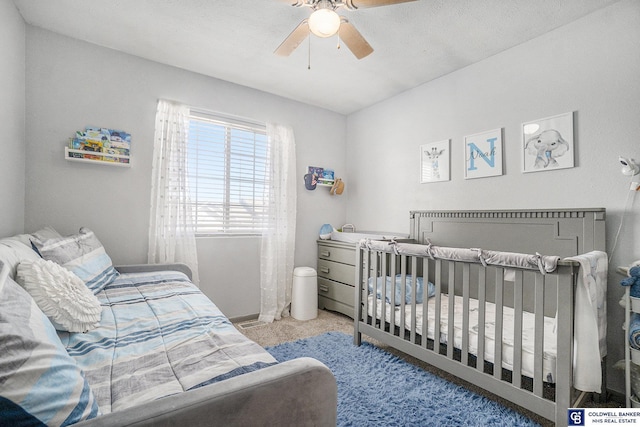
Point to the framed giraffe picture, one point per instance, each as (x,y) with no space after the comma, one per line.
(435,161)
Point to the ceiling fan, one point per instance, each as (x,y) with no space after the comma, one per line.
(324,21)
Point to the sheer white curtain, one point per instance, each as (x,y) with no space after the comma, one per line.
(278,242)
(171,229)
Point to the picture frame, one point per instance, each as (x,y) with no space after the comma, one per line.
(548,143)
(483,154)
(435,159)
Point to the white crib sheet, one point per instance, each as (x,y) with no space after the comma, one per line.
(528,331)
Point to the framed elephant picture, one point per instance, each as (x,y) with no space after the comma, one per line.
(548,143)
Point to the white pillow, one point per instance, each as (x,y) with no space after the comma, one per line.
(13,252)
(60,294)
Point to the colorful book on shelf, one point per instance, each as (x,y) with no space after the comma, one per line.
(327,175)
(113,143)
(314,170)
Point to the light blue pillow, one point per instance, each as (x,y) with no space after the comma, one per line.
(431,289)
(39,381)
(83,255)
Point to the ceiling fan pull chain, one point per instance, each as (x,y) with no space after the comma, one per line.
(309,59)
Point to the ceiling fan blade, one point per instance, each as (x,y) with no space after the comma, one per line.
(361,4)
(294,39)
(353,39)
(296,3)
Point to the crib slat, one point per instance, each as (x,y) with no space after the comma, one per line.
(374,274)
(357,335)
(392,272)
(403,289)
(517,330)
(497,359)
(482,291)
(438,296)
(451,315)
(465,314)
(538,373)
(364,292)
(414,284)
(425,302)
(383,273)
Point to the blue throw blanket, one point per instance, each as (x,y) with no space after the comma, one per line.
(158,336)
(431,289)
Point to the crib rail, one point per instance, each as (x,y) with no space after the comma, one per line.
(396,312)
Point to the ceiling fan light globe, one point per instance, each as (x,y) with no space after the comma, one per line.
(324,22)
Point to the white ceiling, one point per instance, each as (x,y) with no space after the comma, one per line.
(234,40)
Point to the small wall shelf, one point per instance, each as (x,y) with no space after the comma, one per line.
(325,183)
(113,159)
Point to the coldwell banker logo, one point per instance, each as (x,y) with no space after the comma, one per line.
(576,417)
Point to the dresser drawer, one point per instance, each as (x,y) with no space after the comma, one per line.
(337,271)
(337,291)
(332,253)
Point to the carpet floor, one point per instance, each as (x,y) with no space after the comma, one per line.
(289,329)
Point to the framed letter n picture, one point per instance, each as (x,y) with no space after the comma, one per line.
(483,154)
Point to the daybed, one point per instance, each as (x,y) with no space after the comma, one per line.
(511,301)
(156,351)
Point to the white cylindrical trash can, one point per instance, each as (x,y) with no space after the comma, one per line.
(304,295)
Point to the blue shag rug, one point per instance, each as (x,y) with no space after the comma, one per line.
(376,388)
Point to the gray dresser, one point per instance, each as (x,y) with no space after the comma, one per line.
(336,276)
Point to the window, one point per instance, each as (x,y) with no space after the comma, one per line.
(228,174)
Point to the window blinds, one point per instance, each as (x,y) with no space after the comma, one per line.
(228,174)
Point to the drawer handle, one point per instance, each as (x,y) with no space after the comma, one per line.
(324,270)
(323,288)
(325,254)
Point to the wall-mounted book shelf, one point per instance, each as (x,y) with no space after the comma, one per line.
(325,182)
(97,157)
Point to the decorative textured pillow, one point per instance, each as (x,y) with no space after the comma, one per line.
(82,254)
(61,295)
(39,381)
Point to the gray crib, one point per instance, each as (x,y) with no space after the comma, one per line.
(433,304)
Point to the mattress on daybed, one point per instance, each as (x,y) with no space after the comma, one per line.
(549,357)
(158,336)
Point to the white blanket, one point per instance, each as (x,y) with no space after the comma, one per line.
(590,314)
(508,331)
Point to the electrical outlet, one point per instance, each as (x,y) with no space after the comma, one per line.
(634,186)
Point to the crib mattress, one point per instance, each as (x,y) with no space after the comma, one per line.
(528,331)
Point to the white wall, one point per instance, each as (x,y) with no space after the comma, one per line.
(73,84)
(591,67)
(12,117)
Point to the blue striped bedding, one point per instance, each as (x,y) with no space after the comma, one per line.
(158,336)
